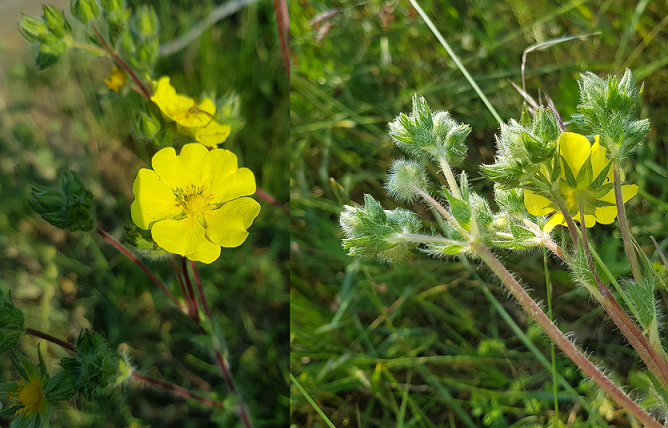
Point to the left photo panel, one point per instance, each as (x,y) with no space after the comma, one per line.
(144,220)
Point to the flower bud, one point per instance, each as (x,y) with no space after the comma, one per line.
(435,136)
(72,208)
(84,10)
(94,365)
(56,21)
(61,387)
(372,231)
(33,29)
(403,179)
(147,54)
(50,51)
(147,125)
(11,324)
(113,5)
(145,22)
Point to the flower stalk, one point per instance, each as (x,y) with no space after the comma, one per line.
(624,223)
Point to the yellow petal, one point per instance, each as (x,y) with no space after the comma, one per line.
(164,94)
(227,225)
(154,199)
(183,170)
(179,236)
(606,215)
(207,252)
(536,204)
(207,106)
(590,220)
(598,159)
(555,220)
(213,134)
(575,148)
(227,181)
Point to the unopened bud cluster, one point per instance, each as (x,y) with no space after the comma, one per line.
(71,208)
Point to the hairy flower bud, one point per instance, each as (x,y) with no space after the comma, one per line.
(436,136)
(145,22)
(50,51)
(372,231)
(56,21)
(33,29)
(72,208)
(84,10)
(147,125)
(404,178)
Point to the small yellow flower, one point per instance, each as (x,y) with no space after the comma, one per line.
(192,119)
(581,189)
(192,202)
(117,79)
(29,397)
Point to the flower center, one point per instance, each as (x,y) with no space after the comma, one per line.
(194,199)
(30,396)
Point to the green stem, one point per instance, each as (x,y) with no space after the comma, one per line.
(548,290)
(450,177)
(175,389)
(426,239)
(560,339)
(624,223)
(89,48)
(444,213)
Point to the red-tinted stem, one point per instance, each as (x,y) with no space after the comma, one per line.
(191,292)
(143,91)
(51,339)
(220,359)
(181,392)
(283,24)
(267,197)
(139,263)
(186,295)
(624,223)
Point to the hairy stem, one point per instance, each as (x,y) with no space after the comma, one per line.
(220,359)
(52,339)
(444,213)
(560,339)
(450,177)
(191,292)
(127,253)
(624,223)
(567,216)
(89,48)
(267,197)
(175,389)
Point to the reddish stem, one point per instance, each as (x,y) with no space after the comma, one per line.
(182,392)
(283,24)
(267,197)
(191,292)
(46,336)
(220,359)
(186,296)
(144,92)
(139,263)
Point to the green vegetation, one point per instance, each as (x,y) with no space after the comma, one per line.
(64,118)
(428,343)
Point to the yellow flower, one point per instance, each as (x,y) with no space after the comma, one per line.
(193,203)
(29,396)
(192,119)
(117,79)
(586,181)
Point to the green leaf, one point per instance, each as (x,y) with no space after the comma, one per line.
(460,210)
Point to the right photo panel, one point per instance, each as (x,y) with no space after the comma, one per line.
(478,213)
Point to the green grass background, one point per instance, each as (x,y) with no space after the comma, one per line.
(64,117)
(430,343)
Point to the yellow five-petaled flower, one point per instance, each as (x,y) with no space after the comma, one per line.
(29,397)
(579,190)
(193,202)
(192,119)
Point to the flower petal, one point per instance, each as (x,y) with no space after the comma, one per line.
(164,95)
(227,180)
(575,148)
(606,215)
(537,205)
(207,252)
(227,225)
(207,106)
(598,159)
(154,199)
(183,170)
(179,236)
(555,220)
(213,134)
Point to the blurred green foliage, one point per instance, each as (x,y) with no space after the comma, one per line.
(65,118)
(428,343)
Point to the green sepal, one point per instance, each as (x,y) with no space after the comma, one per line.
(84,10)
(586,173)
(11,324)
(460,210)
(62,386)
(33,29)
(600,178)
(568,172)
(56,21)
(49,51)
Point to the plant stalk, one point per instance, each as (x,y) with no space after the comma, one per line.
(181,392)
(560,339)
(127,253)
(52,339)
(624,223)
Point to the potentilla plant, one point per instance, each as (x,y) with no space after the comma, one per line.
(545,177)
(193,203)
